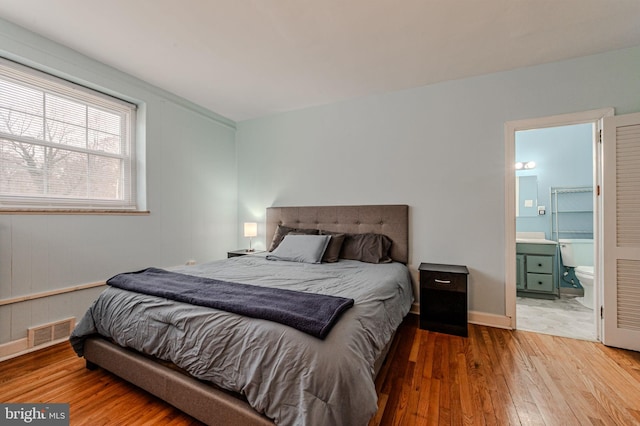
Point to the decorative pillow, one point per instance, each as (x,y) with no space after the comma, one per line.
(332,253)
(301,248)
(282,230)
(370,248)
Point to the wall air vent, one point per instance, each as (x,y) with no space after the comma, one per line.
(47,333)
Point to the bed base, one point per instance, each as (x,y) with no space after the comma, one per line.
(210,405)
(204,402)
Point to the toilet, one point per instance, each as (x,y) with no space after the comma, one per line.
(585,275)
(578,254)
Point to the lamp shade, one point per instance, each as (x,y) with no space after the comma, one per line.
(250,229)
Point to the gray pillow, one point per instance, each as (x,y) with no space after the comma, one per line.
(282,230)
(332,253)
(301,248)
(370,248)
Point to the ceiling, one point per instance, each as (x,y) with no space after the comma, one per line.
(249,58)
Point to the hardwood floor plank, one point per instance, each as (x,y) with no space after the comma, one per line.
(518,370)
(382,406)
(433,413)
(572,383)
(423,375)
(417,384)
(493,377)
(511,392)
(96,398)
(605,383)
(441,372)
(480,387)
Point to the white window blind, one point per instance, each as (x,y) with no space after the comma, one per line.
(63,145)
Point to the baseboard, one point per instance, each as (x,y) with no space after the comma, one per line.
(570,291)
(38,337)
(478,318)
(14,348)
(490,320)
(19,347)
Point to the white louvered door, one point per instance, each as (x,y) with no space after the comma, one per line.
(621,229)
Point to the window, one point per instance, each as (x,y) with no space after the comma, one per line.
(63,146)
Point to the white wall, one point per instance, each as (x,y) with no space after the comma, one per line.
(190,174)
(438,148)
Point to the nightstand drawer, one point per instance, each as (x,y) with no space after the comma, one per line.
(540,264)
(539,282)
(443,281)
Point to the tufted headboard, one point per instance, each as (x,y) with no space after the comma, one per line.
(390,220)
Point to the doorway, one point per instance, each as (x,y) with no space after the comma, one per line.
(554,230)
(543,292)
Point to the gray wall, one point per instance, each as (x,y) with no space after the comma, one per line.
(191,194)
(439,148)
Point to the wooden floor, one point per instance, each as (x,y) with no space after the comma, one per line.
(493,377)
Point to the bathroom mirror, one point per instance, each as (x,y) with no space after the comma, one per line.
(526,196)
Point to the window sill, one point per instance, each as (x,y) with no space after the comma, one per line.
(76,212)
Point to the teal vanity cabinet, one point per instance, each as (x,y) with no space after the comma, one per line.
(536,274)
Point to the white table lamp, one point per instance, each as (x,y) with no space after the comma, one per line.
(250,230)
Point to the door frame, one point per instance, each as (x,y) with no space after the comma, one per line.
(510,128)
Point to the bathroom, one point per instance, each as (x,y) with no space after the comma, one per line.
(554,230)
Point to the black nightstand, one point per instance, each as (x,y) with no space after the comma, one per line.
(241,252)
(443,298)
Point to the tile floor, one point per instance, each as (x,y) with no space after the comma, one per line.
(560,317)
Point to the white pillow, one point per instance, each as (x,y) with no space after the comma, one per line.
(301,248)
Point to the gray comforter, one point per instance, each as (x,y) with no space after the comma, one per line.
(291,377)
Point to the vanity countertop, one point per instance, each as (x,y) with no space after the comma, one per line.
(535,241)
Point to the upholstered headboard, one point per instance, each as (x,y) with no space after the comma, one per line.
(390,220)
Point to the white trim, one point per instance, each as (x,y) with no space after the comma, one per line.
(490,320)
(20,347)
(40,295)
(13,348)
(510,129)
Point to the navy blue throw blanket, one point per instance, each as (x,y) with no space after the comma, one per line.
(314,314)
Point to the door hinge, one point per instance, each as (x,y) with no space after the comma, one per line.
(600,136)
(601,312)
(597,190)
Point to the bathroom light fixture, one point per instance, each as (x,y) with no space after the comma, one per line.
(526,165)
(250,230)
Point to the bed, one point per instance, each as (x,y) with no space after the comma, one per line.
(225,368)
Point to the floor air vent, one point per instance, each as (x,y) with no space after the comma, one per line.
(51,332)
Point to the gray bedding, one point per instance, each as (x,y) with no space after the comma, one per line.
(291,377)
